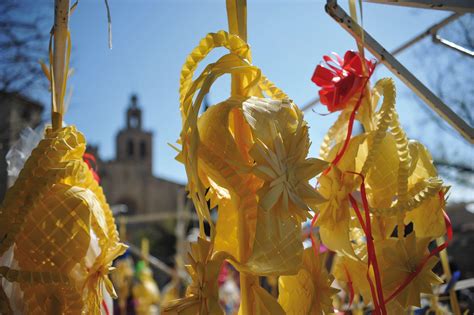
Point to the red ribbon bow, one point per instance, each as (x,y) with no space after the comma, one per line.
(341,79)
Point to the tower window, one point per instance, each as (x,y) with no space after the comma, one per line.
(130,148)
(143,149)
(134,122)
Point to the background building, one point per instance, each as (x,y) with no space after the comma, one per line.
(16,112)
(128,178)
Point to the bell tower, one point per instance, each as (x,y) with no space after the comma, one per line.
(134,114)
(134,145)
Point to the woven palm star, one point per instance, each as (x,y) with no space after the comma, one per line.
(400,259)
(202,294)
(335,187)
(308,292)
(280,149)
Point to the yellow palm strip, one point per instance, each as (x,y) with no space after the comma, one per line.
(403,169)
(271,89)
(36,277)
(386,87)
(212,40)
(190,133)
(236,46)
(335,134)
(423,191)
(57,100)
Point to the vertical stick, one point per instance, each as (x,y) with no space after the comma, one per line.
(146,251)
(61,19)
(180,231)
(123,228)
(246,280)
(61,27)
(447,271)
(237,18)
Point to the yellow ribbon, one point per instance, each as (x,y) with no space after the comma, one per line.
(57,110)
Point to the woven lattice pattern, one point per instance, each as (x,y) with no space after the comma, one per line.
(61,228)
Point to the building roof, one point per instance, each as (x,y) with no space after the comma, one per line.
(27,101)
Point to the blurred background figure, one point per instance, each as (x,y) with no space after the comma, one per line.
(145,290)
(122,278)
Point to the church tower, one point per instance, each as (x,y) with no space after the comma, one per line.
(128,179)
(134,145)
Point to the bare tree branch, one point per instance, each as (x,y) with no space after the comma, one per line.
(449,75)
(22,45)
(455,166)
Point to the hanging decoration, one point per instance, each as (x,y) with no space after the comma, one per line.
(246,157)
(385,203)
(145,290)
(57,233)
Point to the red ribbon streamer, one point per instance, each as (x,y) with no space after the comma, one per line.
(371,250)
(351,287)
(106,308)
(311,236)
(350,126)
(376,292)
(92,164)
(378,280)
(378,298)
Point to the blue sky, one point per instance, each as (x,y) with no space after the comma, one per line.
(151,40)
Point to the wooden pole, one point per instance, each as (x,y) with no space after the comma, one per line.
(146,251)
(61,28)
(392,64)
(447,271)
(181,222)
(428,32)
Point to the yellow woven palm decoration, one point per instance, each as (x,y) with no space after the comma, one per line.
(309,291)
(349,274)
(57,233)
(399,258)
(247,156)
(378,182)
(202,294)
(59,229)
